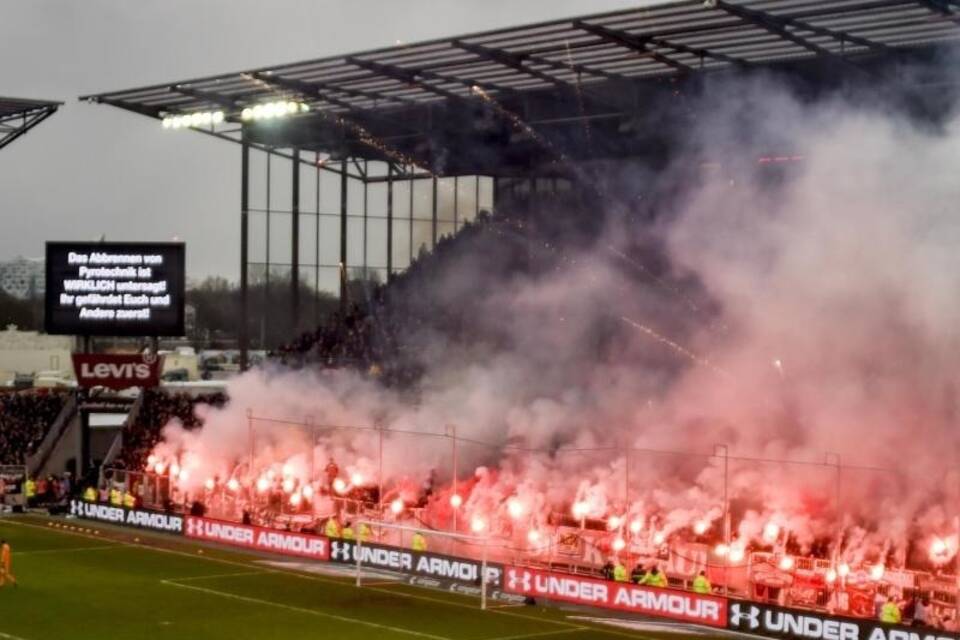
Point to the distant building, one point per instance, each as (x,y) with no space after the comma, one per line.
(23,277)
(28,353)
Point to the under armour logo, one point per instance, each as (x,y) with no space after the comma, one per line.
(339,550)
(737,616)
(194,527)
(522,580)
(76,508)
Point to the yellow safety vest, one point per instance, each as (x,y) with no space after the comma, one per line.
(332,528)
(890,612)
(658,580)
(418,543)
(31,488)
(90,495)
(347,533)
(701,585)
(364,532)
(620,573)
(116,498)
(129,501)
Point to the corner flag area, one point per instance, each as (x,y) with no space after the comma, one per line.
(83,581)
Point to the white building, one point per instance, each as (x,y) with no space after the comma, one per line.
(30,353)
(23,277)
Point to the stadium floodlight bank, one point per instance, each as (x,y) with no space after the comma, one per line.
(481,541)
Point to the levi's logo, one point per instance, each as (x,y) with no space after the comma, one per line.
(107,370)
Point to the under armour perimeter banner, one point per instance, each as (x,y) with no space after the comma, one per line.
(622,596)
(766,620)
(418,563)
(286,543)
(139,518)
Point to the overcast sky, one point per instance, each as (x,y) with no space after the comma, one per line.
(93,169)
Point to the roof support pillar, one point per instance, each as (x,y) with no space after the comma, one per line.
(295,241)
(343,237)
(243,336)
(433,216)
(389,222)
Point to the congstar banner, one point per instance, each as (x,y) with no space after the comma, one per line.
(115,288)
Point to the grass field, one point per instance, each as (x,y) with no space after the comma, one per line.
(77,584)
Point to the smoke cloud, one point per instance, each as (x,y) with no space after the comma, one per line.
(794,298)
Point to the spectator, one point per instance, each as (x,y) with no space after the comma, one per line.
(25,418)
(156,410)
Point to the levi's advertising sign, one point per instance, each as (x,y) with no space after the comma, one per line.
(418,563)
(622,596)
(117,371)
(140,518)
(285,543)
(765,620)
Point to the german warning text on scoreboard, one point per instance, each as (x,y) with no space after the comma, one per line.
(115,288)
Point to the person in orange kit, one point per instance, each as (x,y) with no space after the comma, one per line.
(6,573)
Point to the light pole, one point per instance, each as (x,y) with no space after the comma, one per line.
(722,451)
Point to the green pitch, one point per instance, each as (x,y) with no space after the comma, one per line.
(81,585)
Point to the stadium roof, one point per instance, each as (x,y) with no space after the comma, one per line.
(17,116)
(458,105)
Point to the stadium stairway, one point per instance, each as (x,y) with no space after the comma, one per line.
(67,421)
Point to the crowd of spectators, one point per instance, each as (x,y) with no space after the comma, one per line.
(25,418)
(345,339)
(384,334)
(156,409)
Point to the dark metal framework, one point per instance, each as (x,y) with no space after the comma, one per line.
(410,104)
(17,116)
(517,103)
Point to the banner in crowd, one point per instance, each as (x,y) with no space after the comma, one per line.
(622,596)
(771,621)
(117,371)
(286,543)
(417,563)
(139,518)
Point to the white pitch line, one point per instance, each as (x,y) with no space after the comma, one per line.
(17,554)
(304,576)
(8,636)
(219,575)
(313,612)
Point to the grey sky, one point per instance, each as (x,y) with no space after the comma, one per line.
(92,169)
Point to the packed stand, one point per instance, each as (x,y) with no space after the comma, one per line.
(384,334)
(157,408)
(25,418)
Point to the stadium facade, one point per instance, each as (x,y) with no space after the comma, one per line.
(350,165)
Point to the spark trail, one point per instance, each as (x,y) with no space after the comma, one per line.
(677,347)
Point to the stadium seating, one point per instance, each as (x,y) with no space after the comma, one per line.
(25,417)
(158,407)
(384,334)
